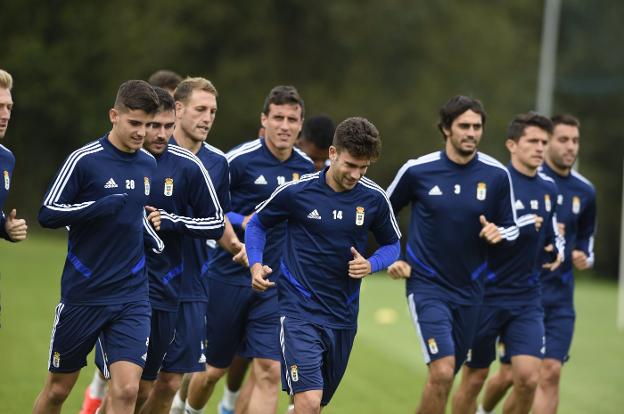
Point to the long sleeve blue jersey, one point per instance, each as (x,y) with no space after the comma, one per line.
(196,251)
(7,163)
(513,273)
(254,174)
(100,193)
(322,226)
(576,210)
(180,184)
(447,256)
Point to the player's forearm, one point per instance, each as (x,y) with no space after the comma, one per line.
(150,238)
(255,240)
(229,240)
(198,228)
(236,219)
(384,256)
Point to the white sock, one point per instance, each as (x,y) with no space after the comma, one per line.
(190,410)
(481,410)
(178,405)
(97,388)
(229,398)
(291,409)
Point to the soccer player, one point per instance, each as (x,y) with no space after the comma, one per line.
(461,202)
(166,79)
(576,214)
(196,107)
(512,309)
(329,215)
(316,137)
(11,228)
(100,193)
(240,320)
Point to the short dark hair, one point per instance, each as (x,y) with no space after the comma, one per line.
(166,79)
(319,130)
(456,106)
(520,122)
(359,137)
(283,95)
(166,100)
(137,95)
(566,119)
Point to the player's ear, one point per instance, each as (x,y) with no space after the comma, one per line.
(333,153)
(511,145)
(263,119)
(113,115)
(178,109)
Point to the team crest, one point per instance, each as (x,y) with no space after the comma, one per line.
(296,177)
(576,204)
(294,373)
(359,216)
(559,199)
(147,185)
(534,204)
(433,346)
(481,191)
(7,180)
(168,187)
(547,204)
(56,360)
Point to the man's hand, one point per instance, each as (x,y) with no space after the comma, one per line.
(153,217)
(552,266)
(579,258)
(241,256)
(538,222)
(259,273)
(489,232)
(15,228)
(400,270)
(359,266)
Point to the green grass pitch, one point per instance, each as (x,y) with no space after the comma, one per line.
(386,372)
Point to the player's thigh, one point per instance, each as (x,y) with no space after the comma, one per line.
(187,351)
(261,339)
(433,321)
(126,336)
(162,335)
(524,332)
(228,308)
(302,349)
(74,333)
(559,329)
(483,350)
(338,343)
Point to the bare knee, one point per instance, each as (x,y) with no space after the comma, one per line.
(267,371)
(57,392)
(550,373)
(211,376)
(126,392)
(308,402)
(442,373)
(167,384)
(474,379)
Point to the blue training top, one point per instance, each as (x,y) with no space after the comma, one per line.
(197,252)
(447,256)
(180,183)
(254,174)
(322,226)
(576,209)
(7,163)
(513,275)
(100,193)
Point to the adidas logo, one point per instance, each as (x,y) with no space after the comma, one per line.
(435,191)
(202,359)
(519,205)
(314,215)
(110,184)
(261,180)
(144,357)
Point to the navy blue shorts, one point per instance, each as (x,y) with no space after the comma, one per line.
(445,328)
(520,331)
(559,326)
(240,320)
(161,337)
(314,357)
(122,330)
(187,351)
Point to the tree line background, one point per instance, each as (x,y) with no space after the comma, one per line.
(393,61)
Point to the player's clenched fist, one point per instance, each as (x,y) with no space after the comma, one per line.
(259,273)
(400,270)
(490,231)
(359,266)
